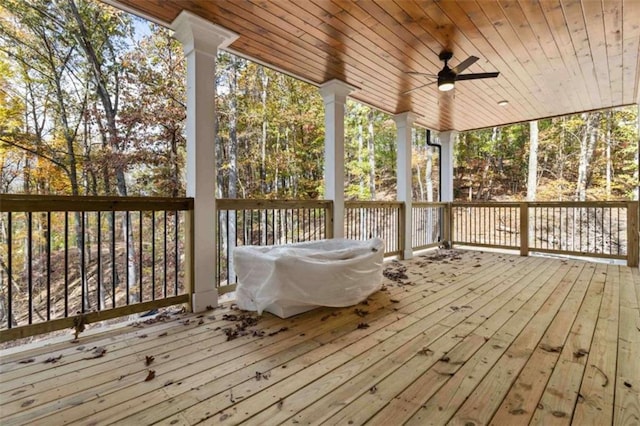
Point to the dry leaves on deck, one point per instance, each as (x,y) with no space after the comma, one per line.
(97,353)
(53,359)
(150,375)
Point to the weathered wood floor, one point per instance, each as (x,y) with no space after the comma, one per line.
(470,338)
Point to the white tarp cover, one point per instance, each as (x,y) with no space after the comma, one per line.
(289,279)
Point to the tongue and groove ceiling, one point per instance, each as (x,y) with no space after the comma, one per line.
(555,57)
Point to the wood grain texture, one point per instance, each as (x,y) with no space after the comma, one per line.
(513,340)
(555,57)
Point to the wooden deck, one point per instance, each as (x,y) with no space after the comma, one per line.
(466,338)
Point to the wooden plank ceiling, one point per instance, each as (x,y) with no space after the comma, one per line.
(555,57)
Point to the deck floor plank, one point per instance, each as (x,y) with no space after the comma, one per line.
(548,322)
(627,393)
(447,401)
(520,403)
(467,337)
(559,399)
(458,345)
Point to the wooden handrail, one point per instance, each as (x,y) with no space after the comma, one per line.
(61,203)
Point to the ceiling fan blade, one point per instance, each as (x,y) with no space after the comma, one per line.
(477,76)
(424,74)
(464,64)
(418,88)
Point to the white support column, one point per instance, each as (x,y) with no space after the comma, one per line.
(334,93)
(404,121)
(447,140)
(201,40)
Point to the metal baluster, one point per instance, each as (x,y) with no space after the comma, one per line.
(153,255)
(114,274)
(66,264)
(164,256)
(9,269)
(48,266)
(30,263)
(175,252)
(99,286)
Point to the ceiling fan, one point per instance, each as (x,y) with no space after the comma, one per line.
(447,77)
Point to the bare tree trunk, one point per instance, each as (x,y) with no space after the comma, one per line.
(264,78)
(372,157)
(533,161)
(587,145)
(233,161)
(428,174)
(609,166)
(360,148)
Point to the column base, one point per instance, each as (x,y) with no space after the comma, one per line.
(407,254)
(203,300)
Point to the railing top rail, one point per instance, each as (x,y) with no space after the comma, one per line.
(428,204)
(372,204)
(485,204)
(61,203)
(542,203)
(258,204)
(578,203)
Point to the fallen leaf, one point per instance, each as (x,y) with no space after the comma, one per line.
(363,325)
(548,348)
(373,389)
(150,376)
(580,353)
(27,403)
(53,359)
(26,361)
(163,334)
(394,301)
(148,360)
(280,404)
(606,378)
(97,353)
(425,351)
(627,384)
(142,336)
(273,333)
(201,322)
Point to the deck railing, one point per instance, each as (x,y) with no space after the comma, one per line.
(71,260)
(428,223)
(68,261)
(375,219)
(581,228)
(494,225)
(595,229)
(266,222)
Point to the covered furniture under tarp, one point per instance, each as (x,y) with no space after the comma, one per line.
(290,279)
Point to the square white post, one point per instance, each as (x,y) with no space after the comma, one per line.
(404,121)
(334,93)
(201,40)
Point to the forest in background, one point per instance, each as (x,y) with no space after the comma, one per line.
(92,105)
